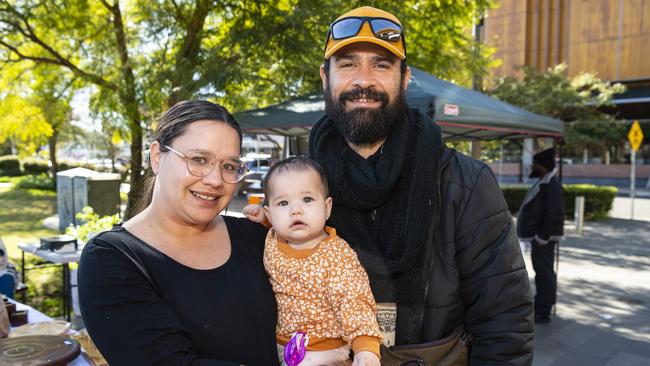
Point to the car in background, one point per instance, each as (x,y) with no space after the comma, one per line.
(253,182)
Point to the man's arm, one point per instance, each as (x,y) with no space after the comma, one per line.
(494,282)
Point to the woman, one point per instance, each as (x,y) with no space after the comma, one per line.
(178,284)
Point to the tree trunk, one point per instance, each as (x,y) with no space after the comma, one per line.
(129,98)
(52,148)
(136,177)
(187,59)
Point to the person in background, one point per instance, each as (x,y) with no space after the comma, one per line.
(179,284)
(540,221)
(320,286)
(9,275)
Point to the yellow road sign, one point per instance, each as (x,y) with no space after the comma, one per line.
(635,136)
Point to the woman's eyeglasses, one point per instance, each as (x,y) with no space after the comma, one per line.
(201,163)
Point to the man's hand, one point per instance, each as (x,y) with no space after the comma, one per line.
(366,358)
(254,213)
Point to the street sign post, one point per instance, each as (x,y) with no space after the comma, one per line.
(635,136)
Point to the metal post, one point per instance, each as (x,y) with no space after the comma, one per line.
(24,279)
(579,214)
(632,183)
(66,314)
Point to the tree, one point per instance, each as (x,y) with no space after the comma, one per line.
(577,101)
(22,122)
(52,93)
(144,56)
(48,94)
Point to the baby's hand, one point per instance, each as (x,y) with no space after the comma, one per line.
(254,213)
(366,358)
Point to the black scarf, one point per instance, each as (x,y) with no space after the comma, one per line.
(384,206)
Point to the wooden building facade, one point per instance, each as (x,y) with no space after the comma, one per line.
(608,37)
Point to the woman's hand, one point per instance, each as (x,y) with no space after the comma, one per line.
(254,213)
(366,358)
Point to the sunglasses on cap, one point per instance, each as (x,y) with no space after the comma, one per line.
(382,28)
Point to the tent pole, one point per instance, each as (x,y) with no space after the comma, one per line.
(500,161)
(561,145)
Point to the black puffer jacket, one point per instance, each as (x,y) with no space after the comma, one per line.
(479,277)
(543,216)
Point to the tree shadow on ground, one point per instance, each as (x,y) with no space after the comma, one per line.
(567,342)
(613,243)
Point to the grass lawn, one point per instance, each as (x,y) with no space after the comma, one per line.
(21,220)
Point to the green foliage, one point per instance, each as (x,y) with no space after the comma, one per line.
(242,54)
(552,94)
(10,166)
(21,221)
(23,122)
(40,181)
(492,151)
(93,224)
(574,100)
(514,195)
(67,165)
(34,166)
(598,199)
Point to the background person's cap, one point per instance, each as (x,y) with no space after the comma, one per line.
(365,33)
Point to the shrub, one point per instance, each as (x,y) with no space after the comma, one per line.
(598,199)
(67,165)
(514,195)
(33,166)
(40,181)
(93,224)
(9,166)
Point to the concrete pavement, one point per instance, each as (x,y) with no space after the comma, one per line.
(603,310)
(621,208)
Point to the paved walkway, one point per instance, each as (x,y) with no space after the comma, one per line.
(621,208)
(603,310)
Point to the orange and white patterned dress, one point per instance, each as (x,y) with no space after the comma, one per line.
(324,292)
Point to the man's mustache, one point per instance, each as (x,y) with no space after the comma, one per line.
(363,93)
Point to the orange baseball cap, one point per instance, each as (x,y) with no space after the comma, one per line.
(366,34)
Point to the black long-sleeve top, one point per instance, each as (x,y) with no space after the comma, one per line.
(143,308)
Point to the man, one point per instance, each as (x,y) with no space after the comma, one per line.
(430,225)
(541,222)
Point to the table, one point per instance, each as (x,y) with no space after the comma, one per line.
(62,258)
(35,316)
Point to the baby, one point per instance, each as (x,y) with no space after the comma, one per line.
(320,286)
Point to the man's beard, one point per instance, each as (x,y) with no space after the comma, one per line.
(535,172)
(364,126)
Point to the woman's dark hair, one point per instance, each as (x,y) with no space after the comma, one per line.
(173,123)
(296,163)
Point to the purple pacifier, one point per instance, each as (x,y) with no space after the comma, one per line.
(294,351)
